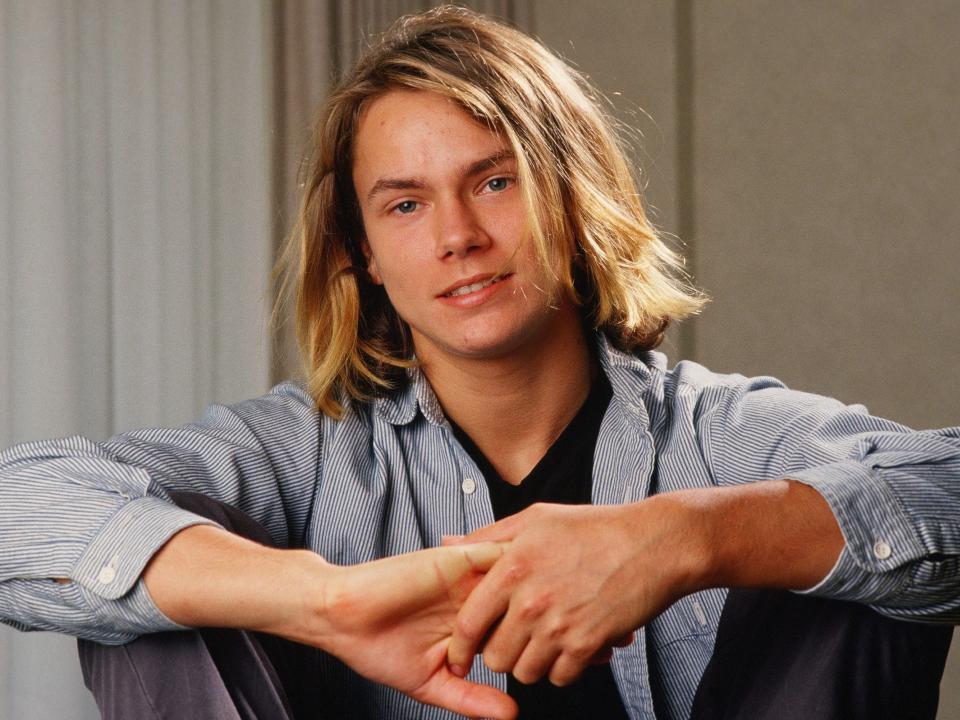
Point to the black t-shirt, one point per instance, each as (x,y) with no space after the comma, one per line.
(563,475)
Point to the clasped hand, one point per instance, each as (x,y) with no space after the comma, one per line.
(575,582)
(546,592)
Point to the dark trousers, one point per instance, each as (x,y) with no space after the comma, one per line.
(784,656)
(778,656)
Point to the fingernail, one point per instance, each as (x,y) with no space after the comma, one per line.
(458,671)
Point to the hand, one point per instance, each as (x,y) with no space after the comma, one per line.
(575,581)
(391,621)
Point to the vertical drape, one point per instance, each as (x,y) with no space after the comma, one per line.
(135,238)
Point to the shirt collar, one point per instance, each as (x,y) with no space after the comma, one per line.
(629,376)
(400,407)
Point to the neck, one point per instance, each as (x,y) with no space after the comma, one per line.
(514,407)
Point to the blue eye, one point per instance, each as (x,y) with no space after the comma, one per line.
(498,184)
(406,207)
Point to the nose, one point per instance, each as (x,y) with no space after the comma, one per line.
(459,230)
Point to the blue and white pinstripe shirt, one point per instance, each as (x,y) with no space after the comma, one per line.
(388,479)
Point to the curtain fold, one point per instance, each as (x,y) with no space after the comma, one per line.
(135,239)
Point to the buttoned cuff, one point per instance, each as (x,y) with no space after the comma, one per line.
(879,539)
(113,561)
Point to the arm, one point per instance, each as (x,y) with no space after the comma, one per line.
(91,517)
(95,513)
(859,481)
(620,566)
(893,491)
(390,620)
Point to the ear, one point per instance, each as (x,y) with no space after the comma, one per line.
(372,270)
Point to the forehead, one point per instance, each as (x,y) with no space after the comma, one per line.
(416,132)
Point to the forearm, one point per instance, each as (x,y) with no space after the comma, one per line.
(776,533)
(207,577)
(390,620)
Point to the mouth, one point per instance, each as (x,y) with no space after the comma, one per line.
(474,285)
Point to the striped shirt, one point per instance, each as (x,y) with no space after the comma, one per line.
(390,477)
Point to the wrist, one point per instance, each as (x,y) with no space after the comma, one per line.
(302,608)
(694,553)
(667,546)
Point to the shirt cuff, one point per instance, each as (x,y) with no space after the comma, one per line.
(117,555)
(879,539)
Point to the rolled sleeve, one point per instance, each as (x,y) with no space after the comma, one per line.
(879,539)
(878,532)
(110,565)
(895,492)
(95,513)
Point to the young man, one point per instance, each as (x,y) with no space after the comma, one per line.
(478,296)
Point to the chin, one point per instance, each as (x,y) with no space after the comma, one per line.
(490,347)
(479,346)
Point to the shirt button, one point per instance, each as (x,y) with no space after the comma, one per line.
(107,575)
(881,550)
(468,486)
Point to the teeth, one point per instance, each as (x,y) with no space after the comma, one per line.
(473,288)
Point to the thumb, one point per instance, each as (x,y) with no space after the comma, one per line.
(470,698)
(484,555)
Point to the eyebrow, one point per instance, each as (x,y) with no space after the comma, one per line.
(413,183)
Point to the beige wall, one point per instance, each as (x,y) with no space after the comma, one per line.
(808,153)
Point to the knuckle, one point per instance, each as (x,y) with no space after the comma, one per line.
(517,572)
(534,606)
(581,650)
(556,630)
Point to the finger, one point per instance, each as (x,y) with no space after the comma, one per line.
(454,565)
(469,698)
(535,662)
(506,642)
(484,555)
(448,540)
(567,668)
(482,608)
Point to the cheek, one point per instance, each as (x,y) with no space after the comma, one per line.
(401,274)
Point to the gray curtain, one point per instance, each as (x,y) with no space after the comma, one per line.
(135,239)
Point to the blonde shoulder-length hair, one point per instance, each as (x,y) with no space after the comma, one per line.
(586,215)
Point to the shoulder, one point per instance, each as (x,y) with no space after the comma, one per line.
(689,392)
(288,398)
(286,416)
(649,373)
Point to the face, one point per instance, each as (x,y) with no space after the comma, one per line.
(446,229)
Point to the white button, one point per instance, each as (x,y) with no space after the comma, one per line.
(882,550)
(468,486)
(107,575)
